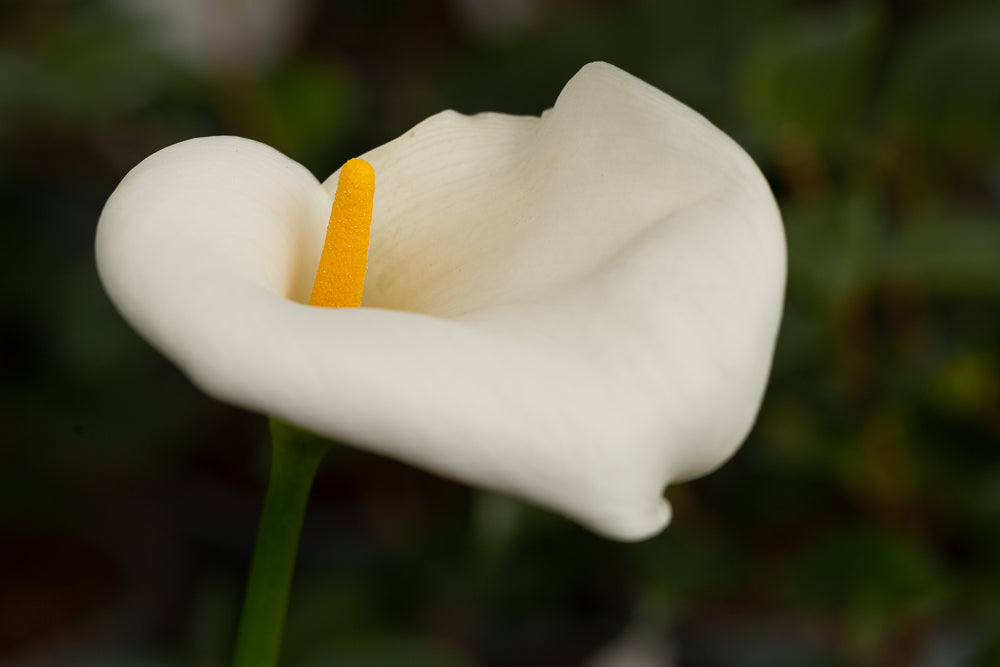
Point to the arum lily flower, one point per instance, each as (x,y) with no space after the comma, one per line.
(574,309)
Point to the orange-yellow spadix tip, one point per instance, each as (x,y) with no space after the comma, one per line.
(340,278)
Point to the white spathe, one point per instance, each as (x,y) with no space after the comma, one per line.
(574,309)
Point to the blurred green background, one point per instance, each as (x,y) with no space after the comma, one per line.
(859,525)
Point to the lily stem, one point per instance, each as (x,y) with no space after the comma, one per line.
(295,457)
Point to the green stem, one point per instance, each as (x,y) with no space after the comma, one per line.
(294,459)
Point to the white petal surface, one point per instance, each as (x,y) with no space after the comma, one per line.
(574,309)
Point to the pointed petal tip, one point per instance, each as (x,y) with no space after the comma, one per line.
(600,71)
(635,527)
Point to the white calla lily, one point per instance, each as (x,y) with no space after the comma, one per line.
(575,309)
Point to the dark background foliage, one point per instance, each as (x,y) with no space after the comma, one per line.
(859,523)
